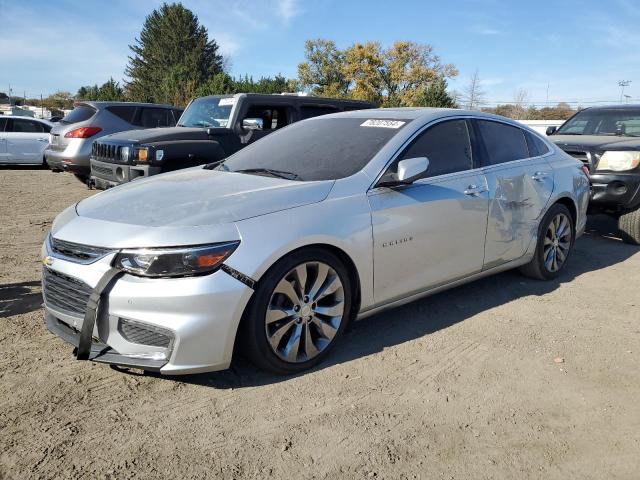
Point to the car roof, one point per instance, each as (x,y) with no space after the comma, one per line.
(423,114)
(293,98)
(27,118)
(100,103)
(614,106)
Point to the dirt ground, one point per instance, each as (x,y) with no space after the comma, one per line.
(459,385)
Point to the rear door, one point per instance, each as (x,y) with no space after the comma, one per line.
(26,140)
(520,185)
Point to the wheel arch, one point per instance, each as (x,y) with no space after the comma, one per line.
(571,205)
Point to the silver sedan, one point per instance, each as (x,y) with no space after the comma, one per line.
(328,220)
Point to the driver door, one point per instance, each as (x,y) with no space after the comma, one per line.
(431,232)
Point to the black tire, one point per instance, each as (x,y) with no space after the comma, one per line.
(253,334)
(629,226)
(537,268)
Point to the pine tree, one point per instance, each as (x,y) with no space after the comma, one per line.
(436,95)
(172,57)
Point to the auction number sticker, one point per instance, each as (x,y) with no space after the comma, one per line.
(383,123)
(225,102)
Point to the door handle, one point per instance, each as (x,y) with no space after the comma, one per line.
(540,176)
(43,139)
(474,190)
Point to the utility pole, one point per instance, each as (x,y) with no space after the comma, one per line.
(622,84)
(41,107)
(547,102)
(10,95)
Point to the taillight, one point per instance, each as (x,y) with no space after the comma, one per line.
(83,132)
(585,169)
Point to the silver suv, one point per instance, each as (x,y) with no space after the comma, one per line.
(71,139)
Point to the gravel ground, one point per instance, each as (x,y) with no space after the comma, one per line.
(503,378)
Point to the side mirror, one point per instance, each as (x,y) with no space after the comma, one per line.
(551,130)
(409,170)
(252,124)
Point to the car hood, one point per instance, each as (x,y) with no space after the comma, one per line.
(599,142)
(150,135)
(196,197)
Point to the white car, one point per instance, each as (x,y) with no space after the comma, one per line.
(23,140)
(283,243)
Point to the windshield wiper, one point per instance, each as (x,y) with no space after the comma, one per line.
(217,163)
(269,171)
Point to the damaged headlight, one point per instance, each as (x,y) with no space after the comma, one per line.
(174,262)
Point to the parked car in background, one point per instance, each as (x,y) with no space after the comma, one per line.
(71,137)
(23,140)
(607,141)
(210,129)
(329,219)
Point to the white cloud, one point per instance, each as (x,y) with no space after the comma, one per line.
(287,9)
(487,31)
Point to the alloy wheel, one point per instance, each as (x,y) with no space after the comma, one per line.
(305,312)
(557,242)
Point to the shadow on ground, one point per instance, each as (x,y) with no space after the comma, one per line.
(18,298)
(599,248)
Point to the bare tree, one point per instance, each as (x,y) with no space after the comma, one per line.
(519,100)
(473,96)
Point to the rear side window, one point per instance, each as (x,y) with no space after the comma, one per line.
(447,146)
(536,146)
(123,112)
(79,114)
(154,117)
(504,143)
(310,111)
(27,126)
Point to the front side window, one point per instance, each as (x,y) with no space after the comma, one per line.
(603,121)
(503,143)
(447,146)
(318,149)
(272,117)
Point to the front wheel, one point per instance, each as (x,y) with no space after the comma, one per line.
(555,241)
(299,311)
(629,226)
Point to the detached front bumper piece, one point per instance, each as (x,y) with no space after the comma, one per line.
(99,351)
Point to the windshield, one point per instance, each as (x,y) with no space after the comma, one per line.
(317,149)
(604,121)
(207,112)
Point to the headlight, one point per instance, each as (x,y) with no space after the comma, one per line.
(174,262)
(619,161)
(143,155)
(124,154)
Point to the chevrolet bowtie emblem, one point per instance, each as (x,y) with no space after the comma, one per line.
(48,261)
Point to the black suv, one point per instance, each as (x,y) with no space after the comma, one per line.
(210,129)
(607,141)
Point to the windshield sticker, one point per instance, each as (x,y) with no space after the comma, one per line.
(383,123)
(225,102)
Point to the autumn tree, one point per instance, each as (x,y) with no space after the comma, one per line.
(394,76)
(322,72)
(172,57)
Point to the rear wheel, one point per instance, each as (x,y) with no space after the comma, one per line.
(555,241)
(299,311)
(629,226)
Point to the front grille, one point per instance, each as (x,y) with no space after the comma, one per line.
(65,294)
(144,334)
(582,156)
(106,151)
(76,252)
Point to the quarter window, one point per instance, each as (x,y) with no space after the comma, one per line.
(503,143)
(447,146)
(536,146)
(155,117)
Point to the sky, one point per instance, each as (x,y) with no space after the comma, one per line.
(574,51)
